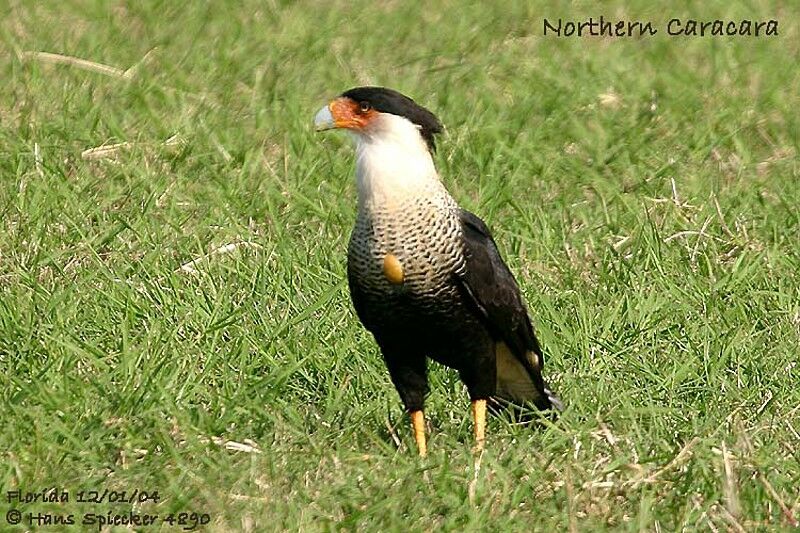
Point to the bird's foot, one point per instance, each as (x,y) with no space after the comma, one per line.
(479,419)
(418,424)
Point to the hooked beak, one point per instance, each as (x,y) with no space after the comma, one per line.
(344,113)
(324,120)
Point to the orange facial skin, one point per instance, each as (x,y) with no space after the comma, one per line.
(348,113)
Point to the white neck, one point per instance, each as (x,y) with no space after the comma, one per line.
(393,164)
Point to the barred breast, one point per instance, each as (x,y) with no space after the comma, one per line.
(424,235)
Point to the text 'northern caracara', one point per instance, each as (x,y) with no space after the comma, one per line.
(425,275)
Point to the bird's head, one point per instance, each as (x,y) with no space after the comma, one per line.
(379,113)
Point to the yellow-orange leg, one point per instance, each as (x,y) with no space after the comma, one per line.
(479,417)
(418,423)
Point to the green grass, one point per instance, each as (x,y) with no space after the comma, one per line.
(646,192)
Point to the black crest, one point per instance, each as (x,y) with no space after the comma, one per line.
(390,101)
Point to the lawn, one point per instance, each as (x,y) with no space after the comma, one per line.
(174,316)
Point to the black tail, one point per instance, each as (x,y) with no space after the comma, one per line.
(555,402)
(520,386)
(526,412)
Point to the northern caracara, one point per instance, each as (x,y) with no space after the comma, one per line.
(425,276)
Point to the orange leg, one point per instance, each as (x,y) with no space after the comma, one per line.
(479,417)
(418,423)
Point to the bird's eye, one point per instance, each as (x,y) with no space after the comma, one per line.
(364,106)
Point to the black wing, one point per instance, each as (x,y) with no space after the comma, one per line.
(491,288)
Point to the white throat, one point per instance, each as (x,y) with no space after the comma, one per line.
(393,164)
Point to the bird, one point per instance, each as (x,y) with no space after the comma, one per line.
(425,275)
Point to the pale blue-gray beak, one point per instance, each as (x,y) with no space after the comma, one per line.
(324,119)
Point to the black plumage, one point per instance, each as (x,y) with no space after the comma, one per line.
(425,276)
(459,322)
(495,295)
(387,100)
